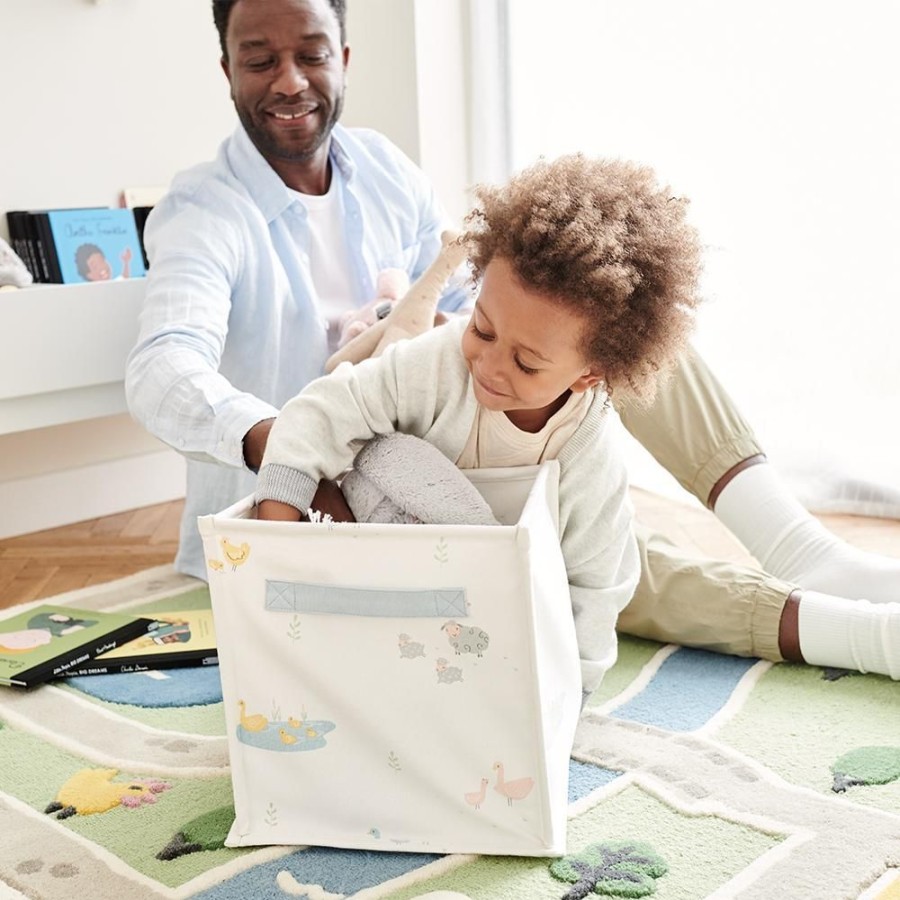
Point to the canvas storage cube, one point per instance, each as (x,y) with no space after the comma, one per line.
(399,687)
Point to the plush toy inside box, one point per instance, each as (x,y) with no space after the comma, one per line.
(399,687)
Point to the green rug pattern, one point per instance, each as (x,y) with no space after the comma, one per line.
(693,776)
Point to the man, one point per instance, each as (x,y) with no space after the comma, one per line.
(255,253)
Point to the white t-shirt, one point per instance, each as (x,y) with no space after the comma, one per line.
(494,442)
(329,258)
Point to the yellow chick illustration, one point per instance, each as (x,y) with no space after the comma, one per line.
(215,564)
(294,723)
(237,556)
(255,722)
(286,738)
(311,733)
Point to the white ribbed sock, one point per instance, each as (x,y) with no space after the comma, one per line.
(850,634)
(790,543)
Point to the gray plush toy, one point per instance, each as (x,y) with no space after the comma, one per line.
(401,479)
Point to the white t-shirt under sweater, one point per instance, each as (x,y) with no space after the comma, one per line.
(329,258)
(422,387)
(495,442)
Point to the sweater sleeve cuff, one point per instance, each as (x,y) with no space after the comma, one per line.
(287,485)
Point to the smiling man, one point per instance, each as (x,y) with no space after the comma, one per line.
(286,64)
(256,255)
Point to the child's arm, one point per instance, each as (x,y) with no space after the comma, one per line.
(599,547)
(318,432)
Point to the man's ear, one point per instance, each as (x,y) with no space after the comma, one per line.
(225,68)
(590,379)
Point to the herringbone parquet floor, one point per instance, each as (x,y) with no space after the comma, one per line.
(62,559)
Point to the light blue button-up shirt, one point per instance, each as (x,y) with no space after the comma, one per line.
(231,327)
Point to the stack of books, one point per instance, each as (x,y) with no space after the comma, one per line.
(47,642)
(71,246)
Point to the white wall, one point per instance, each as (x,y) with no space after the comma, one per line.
(780,121)
(98,97)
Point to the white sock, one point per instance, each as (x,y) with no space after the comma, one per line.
(789,542)
(850,634)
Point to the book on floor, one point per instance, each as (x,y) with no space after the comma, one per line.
(174,639)
(47,641)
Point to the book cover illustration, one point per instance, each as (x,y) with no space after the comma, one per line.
(174,639)
(96,244)
(47,640)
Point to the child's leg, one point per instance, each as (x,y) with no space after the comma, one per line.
(695,431)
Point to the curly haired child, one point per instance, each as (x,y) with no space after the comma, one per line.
(588,273)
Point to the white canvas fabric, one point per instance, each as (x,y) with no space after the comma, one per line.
(399,687)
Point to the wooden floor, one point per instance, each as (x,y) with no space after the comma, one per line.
(50,562)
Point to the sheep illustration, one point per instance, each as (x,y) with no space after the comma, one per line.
(447,674)
(410,649)
(466,638)
(91,791)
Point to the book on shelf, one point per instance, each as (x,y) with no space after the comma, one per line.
(95,244)
(72,246)
(174,640)
(46,641)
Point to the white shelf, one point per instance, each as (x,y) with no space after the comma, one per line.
(63,350)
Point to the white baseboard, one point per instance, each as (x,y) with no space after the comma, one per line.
(73,495)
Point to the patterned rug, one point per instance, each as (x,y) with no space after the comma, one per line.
(693,776)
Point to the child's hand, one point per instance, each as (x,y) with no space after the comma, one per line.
(330,500)
(276,511)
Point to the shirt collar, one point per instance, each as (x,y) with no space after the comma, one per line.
(269,192)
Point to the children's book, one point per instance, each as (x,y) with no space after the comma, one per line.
(46,641)
(95,244)
(174,639)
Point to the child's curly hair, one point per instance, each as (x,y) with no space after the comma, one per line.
(604,238)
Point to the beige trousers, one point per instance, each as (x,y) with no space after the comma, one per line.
(694,430)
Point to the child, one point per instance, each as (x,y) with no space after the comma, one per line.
(588,275)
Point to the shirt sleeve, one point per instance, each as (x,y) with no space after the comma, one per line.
(172,381)
(600,549)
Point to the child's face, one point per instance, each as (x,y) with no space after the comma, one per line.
(523,349)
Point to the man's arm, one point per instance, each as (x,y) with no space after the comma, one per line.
(173,384)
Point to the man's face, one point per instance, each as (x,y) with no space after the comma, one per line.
(286,68)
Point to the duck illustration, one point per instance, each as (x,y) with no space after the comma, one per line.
(517,789)
(476,798)
(255,722)
(294,723)
(237,556)
(311,733)
(286,738)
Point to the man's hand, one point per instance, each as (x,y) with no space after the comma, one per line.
(255,444)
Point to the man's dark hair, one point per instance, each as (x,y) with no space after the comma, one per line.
(222,11)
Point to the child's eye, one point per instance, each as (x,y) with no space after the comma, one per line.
(480,334)
(526,369)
